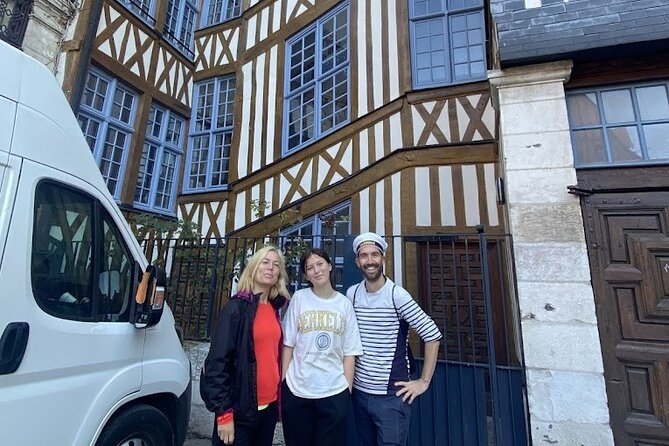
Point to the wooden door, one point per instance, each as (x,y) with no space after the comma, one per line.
(628,245)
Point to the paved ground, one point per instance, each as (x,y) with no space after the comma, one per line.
(278,439)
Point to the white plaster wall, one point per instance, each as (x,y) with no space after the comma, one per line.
(566,392)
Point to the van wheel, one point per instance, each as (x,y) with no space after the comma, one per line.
(140,425)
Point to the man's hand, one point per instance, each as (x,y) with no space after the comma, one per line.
(411,389)
(226,432)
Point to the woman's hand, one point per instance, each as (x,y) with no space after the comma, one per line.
(226,432)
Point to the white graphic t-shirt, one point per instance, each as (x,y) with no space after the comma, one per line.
(321,332)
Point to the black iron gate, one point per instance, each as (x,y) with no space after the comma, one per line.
(464,281)
(14,15)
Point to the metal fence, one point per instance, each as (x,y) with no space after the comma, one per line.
(464,281)
(14,15)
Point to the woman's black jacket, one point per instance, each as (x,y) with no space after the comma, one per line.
(228,379)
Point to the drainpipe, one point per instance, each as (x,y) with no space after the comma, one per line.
(85,58)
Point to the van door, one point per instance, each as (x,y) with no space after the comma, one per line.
(68,275)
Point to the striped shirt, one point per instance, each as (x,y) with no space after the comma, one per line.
(384,318)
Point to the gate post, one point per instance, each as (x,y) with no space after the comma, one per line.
(490,333)
(212,289)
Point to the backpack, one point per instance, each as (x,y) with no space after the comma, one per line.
(412,359)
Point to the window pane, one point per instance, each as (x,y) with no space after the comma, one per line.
(467,36)
(430,60)
(234,9)
(204,106)
(618,106)
(653,102)
(115,279)
(112,155)
(589,147)
(61,270)
(302,61)
(90,129)
(146,171)
(155,121)
(122,105)
(95,91)
(198,164)
(214,12)
(174,129)
(657,140)
(226,100)
(301,118)
(221,159)
(624,144)
(166,180)
(583,109)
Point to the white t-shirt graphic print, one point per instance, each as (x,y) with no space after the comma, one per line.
(321,332)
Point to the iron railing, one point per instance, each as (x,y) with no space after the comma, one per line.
(14,15)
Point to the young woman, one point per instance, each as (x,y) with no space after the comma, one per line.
(241,375)
(320,343)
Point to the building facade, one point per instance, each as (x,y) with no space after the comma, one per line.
(584,142)
(543,119)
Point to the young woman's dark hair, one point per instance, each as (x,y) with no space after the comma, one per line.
(308,253)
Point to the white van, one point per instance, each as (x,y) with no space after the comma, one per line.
(88,356)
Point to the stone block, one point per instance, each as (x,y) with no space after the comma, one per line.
(538,150)
(553,347)
(567,397)
(557,302)
(532,92)
(540,185)
(570,433)
(553,222)
(551,262)
(531,116)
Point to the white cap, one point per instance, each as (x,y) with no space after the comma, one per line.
(369,238)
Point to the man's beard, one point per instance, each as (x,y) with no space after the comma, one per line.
(374,274)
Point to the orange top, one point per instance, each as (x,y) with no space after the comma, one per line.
(266,339)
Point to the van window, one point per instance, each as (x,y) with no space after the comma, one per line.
(81,269)
(116,275)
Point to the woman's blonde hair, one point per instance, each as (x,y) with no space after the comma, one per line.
(247,280)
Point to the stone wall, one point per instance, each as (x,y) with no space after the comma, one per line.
(566,392)
(48,24)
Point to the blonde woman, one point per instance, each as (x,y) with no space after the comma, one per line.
(242,373)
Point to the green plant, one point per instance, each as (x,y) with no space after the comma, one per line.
(259,207)
(144,224)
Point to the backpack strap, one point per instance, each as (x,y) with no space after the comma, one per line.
(355,294)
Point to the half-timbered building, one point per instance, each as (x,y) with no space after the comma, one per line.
(446,125)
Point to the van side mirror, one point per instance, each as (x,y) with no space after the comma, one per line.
(150,297)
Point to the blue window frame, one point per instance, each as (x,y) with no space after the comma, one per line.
(626,124)
(447,42)
(327,231)
(161,156)
(211,135)
(143,9)
(218,11)
(317,80)
(180,25)
(106,116)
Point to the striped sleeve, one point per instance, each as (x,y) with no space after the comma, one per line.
(411,312)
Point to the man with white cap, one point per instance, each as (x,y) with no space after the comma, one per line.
(382,388)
